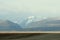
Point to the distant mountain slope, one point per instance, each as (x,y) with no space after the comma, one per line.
(8,25)
(45,25)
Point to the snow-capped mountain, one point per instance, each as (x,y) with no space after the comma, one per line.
(31,19)
(50,24)
(28,20)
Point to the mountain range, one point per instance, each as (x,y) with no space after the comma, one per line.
(49,24)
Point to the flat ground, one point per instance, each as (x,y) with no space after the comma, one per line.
(30,36)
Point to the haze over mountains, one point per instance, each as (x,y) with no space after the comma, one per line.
(32,24)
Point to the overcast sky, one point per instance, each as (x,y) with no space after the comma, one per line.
(14,9)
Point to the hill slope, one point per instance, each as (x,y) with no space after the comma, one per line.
(8,25)
(45,25)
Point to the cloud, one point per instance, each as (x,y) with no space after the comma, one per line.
(27,5)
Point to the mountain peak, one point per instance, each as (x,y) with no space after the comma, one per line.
(30,17)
